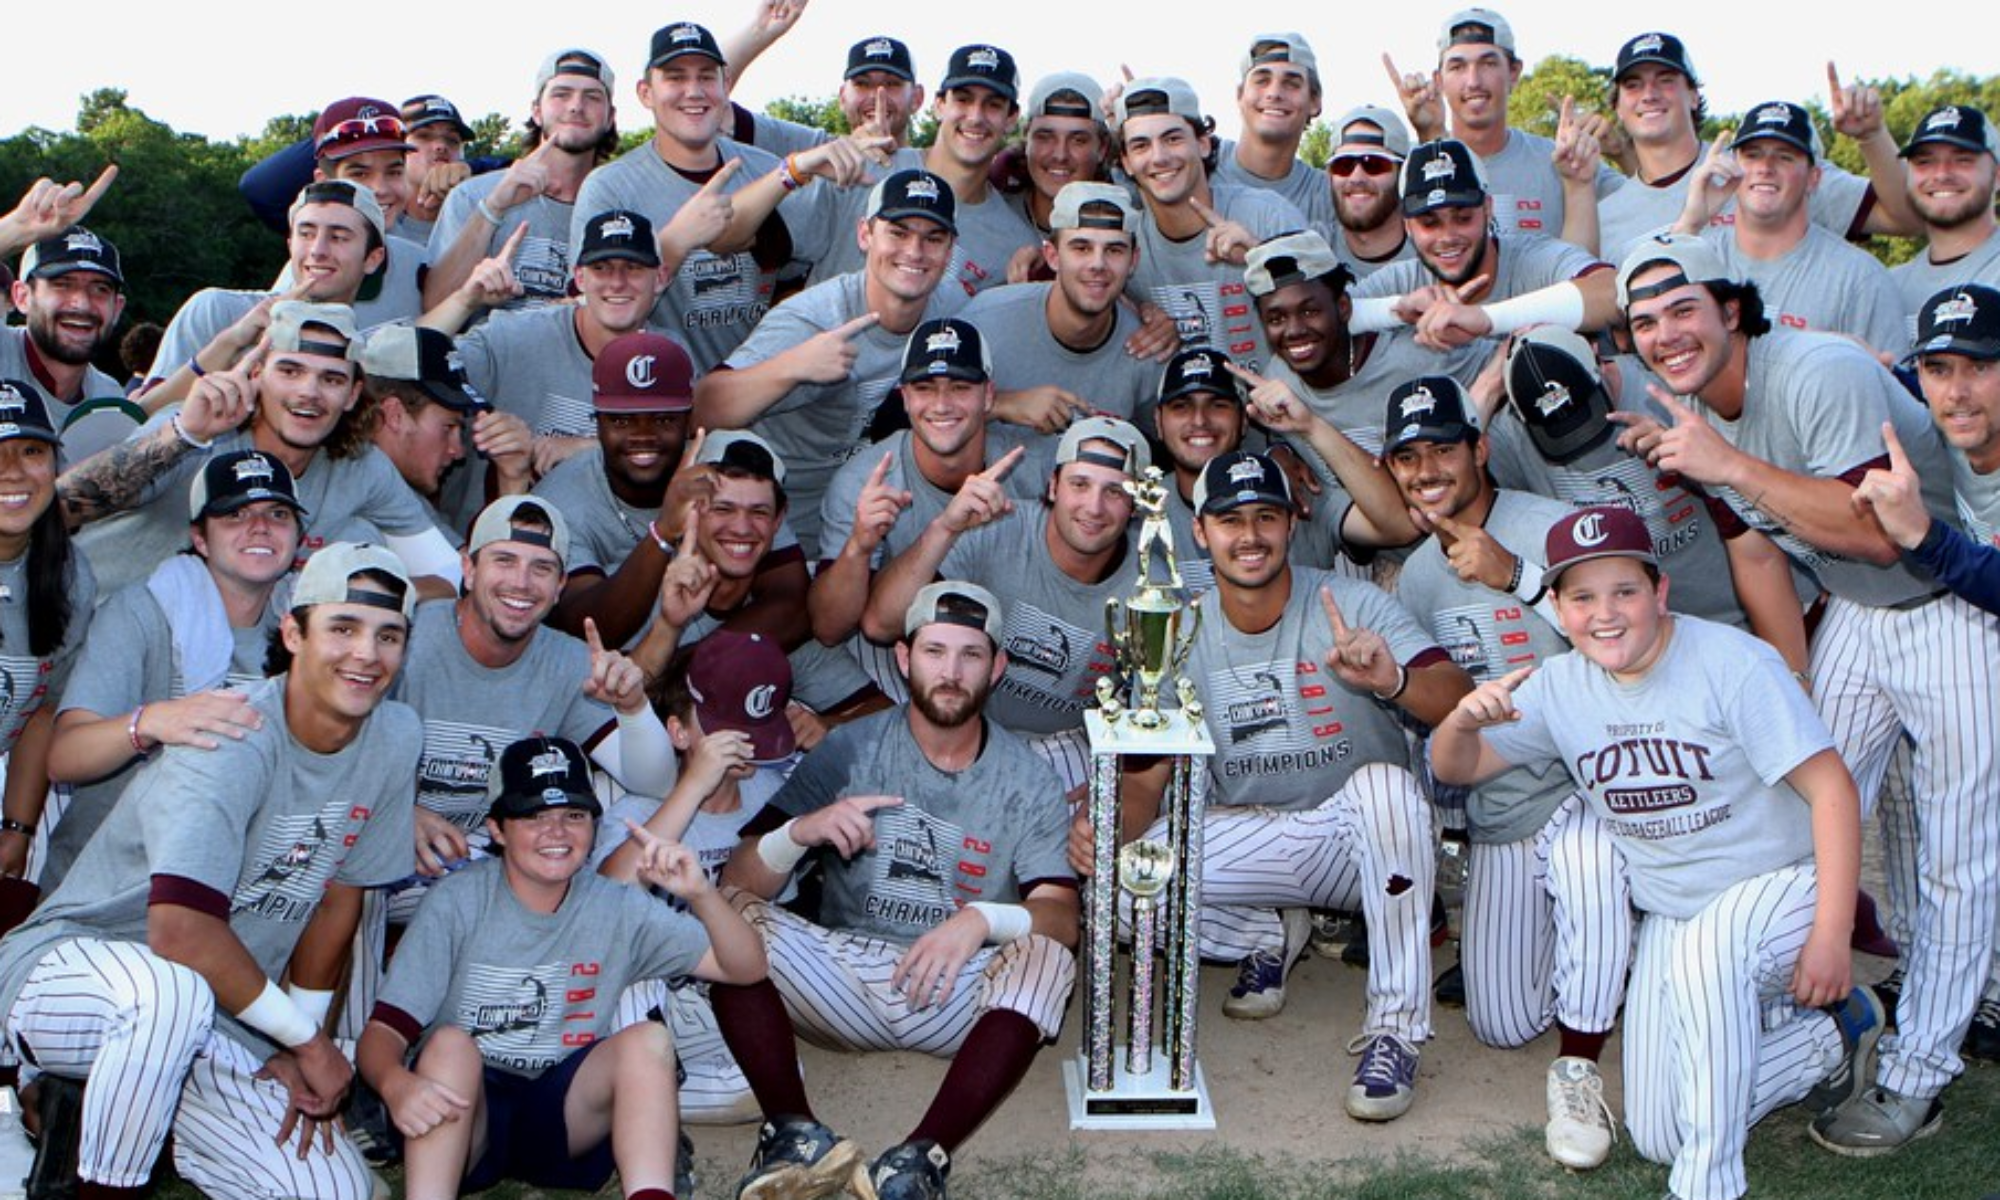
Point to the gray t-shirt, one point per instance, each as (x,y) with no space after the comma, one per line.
(86,440)
(1639,209)
(991,832)
(714,301)
(1208,300)
(1686,765)
(1364,267)
(1815,403)
(602,528)
(531,987)
(1978,499)
(1919,279)
(472,712)
(1355,407)
(1026,354)
(816,427)
(1315,541)
(1823,284)
(989,233)
(1524,263)
(262,823)
(1288,732)
(1684,536)
(1024,483)
(1490,633)
(1305,186)
(1527,192)
(532,363)
(541,263)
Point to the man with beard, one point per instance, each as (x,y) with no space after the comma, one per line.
(1370,145)
(1066,341)
(1950,164)
(941,840)
(571,128)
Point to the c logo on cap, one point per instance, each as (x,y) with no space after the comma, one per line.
(1590,530)
(639,372)
(757,705)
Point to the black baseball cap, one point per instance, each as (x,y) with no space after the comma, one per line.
(229,482)
(880,54)
(428,109)
(426,357)
(539,773)
(1442,174)
(1238,478)
(1662,48)
(74,249)
(1958,125)
(1961,320)
(1783,121)
(1199,369)
(619,233)
(1430,408)
(1555,389)
(681,38)
(983,66)
(946,348)
(914,193)
(24,414)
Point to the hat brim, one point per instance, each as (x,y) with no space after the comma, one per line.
(1773,135)
(1658,60)
(454,396)
(616,254)
(239,501)
(950,371)
(1453,431)
(52,270)
(643,404)
(771,741)
(1980,348)
(1552,574)
(1958,141)
(344,150)
(699,51)
(991,84)
(906,213)
(1417,206)
(465,131)
(1231,501)
(526,804)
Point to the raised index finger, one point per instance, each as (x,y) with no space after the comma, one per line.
(692,451)
(96,190)
(1209,216)
(1899,462)
(871,803)
(640,834)
(1516,677)
(1005,465)
(513,244)
(1834,92)
(1395,76)
(880,475)
(592,638)
(250,361)
(1332,612)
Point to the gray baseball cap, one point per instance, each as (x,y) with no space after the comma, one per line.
(1392,139)
(1067,94)
(501,521)
(1279,48)
(1476,27)
(1697,258)
(1089,205)
(356,196)
(955,602)
(290,319)
(1157,94)
(328,578)
(1135,459)
(575,61)
(1287,259)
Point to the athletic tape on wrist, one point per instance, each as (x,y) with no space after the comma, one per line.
(274,1015)
(779,851)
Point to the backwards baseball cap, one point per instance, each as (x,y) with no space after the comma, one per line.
(540,773)
(983,66)
(1783,121)
(1292,258)
(1604,532)
(356,125)
(880,54)
(1352,135)
(1199,369)
(946,348)
(1697,260)
(514,518)
(1087,204)
(619,233)
(74,249)
(1154,95)
(1958,125)
(1663,49)
(1442,174)
(1279,48)
(24,414)
(1429,408)
(1231,481)
(743,681)
(1557,392)
(1067,94)
(682,38)
(743,450)
(293,322)
(234,481)
(329,577)
(419,111)
(914,193)
(425,357)
(1960,320)
(1134,458)
(954,602)
(1476,27)
(575,61)
(356,196)
(641,372)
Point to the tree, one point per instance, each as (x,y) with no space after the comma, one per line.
(823,114)
(1536,103)
(1317,145)
(494,134)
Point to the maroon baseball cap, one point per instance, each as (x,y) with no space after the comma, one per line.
(356,125)
(743,681)
(642,372)
(1587,533)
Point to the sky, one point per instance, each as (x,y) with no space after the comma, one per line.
(220,67)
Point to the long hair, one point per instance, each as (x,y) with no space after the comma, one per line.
(51,565)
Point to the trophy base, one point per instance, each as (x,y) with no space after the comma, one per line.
(1175,735)
(1136,1103)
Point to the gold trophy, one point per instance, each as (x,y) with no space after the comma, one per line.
(1145,627)
(1144,867)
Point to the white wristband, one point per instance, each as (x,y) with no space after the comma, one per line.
(1374,314)
(1558,304)
(1530,587)
(314,1003)
(1004,922)
(486,210)
(274,1015)
(778,850)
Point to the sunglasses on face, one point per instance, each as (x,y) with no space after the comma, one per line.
(1369,164)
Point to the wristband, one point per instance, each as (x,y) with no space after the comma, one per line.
(314,1003)
(778,850)
(1558,304)
(1527,582)
(194,364)
(1402,682)
(790,178)
(10,825)
(659,539)
(139,745)
(274,1015)
(188,439)
(486,210)
(1004,922)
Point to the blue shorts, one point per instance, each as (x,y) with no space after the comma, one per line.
(526,1137)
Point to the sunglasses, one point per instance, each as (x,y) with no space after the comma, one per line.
(362,127)
(1370,164)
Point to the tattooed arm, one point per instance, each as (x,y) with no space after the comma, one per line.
(116,479)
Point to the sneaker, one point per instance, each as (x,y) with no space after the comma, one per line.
(798,1159)
(59,1103)
(1580,1129)
(1259,991)
(912,1171)
(17,1155)
(370,1129)
(1890,993)
(1385,1084)
(1982,1039)
(1450,988)
(1878,1121)
(1859,1019)
(1331,932)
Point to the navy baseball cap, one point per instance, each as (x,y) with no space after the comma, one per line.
(24,414)
(946,348)
(74,249)
(1238,478)
(1199,369)
(983,66)
(425,357)
(682,38)
(1960,320)
(1430,408)
(1442,174)
(1555,389)
(1782,121)
(914,193)
(1958,125)
(618,234)
(233,481)
(881,54)
(536,774)
(1663,49)
(419,111)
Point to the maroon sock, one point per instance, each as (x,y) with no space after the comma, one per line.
(1577,1044)
(991,1063)
(651,1194)
(759,1033)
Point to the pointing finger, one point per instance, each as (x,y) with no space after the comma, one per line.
(1516,677)
(1449,526)
(1395,76)
(1332,612)
(860,324)
(1899,462)
(592,638)
(1244,373)
(89,199)
(1126,72)
(1679,412)
(722,176)
(880,475)
(255,358)
(869,804)
(1209,216)
(513,244)
(1833,88)
(1006,464)
(692,451)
